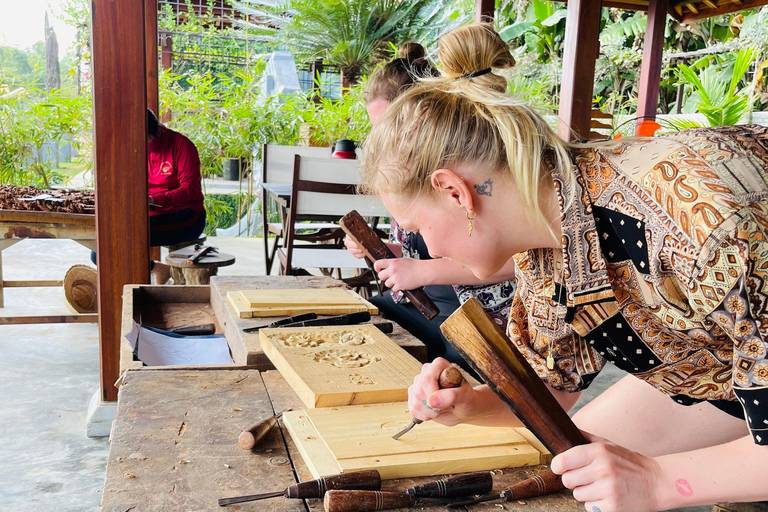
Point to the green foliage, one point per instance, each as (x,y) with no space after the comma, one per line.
(342,119)
(352,33)
(715,82)
(25,68)
(225,210)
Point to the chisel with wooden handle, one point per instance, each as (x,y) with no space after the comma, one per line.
(468,484)
(494,357)
(538,485)
(251,436)
(449,378)
(362,501)
(369,242)
(368,480)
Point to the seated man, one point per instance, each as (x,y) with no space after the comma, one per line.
(176,211)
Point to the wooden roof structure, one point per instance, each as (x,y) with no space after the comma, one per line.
(125,73)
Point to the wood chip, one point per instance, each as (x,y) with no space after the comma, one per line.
(129,475)
(236,409)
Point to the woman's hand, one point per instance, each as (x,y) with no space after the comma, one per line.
(607,477)
(353,248)
(400,274)
(426,401)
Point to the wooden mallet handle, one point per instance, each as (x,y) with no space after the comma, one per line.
(369,242)
(493,356)
(251,436)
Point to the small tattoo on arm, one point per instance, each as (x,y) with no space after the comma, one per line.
(485,189)
(684,488)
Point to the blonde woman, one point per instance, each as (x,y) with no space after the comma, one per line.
(651,254)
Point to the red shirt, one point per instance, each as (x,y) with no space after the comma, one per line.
(174,173)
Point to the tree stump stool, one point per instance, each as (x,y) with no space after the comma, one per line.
(197,273)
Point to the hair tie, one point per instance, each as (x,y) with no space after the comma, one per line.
(477,73)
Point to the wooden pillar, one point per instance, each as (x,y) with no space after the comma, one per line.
(166,61)
(485,10)
(650,69)
(120,160)
(153,90)
(580,51)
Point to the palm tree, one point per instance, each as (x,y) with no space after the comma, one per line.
(352,34)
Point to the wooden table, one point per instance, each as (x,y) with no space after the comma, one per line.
(200,272)
(174,447)
(16,226)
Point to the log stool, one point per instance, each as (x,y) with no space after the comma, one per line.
(183,272)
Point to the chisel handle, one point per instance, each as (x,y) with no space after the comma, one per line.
(468,484)
(356,481)
(360,501)
(251,436)
(347,319)
(545,482)
(195,330)
(369,242)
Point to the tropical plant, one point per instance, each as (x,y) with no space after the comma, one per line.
(343,119)
(715,81)
(351,34)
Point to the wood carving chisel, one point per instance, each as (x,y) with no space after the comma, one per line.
(194,258)
(369,242)
(284,321)
(347,319)
(449,378)
(369,480)
(362,501)
(468,484)
(195,330)
(538,485)
(251,436)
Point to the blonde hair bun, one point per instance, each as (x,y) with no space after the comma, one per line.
(472,48)
(411,51)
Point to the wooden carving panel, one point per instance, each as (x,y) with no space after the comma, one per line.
(340,365)
(343,439)
(289,302)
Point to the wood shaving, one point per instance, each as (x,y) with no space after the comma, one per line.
(236,409)
(129,475)
(182,461)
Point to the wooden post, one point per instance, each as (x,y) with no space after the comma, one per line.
(650,69)
(120,160)
(581,47)
(153,91)
(166,61)
(484,10)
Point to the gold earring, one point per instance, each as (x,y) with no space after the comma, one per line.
(470,219)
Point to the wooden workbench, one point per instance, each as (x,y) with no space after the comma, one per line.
(16,226)
(174,447)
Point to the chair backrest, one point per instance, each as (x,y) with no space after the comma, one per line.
(277,161)
(327,187)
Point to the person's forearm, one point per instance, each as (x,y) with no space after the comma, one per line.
(730,472)
(444,271)
(499,415)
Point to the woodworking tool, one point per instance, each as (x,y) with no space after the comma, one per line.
(368,480)
(347,319)
(449,378)
(195,330)
(251,436)
(362,501)
(200,253)
(284,321)
(538,485)
(369,242)
(469,484)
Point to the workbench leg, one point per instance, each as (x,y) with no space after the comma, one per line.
(178,276)
(4,244)
(198,275)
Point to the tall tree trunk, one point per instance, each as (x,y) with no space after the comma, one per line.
(52,71)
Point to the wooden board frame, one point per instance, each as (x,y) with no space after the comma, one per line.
(288,302)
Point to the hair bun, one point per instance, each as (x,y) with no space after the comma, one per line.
(411,51)
(473,48)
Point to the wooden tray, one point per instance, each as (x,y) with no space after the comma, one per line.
(333,366)
(353,438)
(289,302)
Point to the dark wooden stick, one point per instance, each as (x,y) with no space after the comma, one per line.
(493,356)
(251,436)
(369,242)
(469,484)
(360,501)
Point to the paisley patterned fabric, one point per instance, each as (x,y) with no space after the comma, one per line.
(663,270)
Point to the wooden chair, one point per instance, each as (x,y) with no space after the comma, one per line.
(597,123)
(325,188)
(277,167)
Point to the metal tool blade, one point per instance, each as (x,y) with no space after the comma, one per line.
(223,502)
(407,429)
(503,495)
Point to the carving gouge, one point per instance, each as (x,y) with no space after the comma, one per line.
(284,321)
(358,480)
(538,485)
(449,378)
(469,484)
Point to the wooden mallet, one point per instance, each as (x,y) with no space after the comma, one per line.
(251,436)
(369,242)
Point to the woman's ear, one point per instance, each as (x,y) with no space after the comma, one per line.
(453,188)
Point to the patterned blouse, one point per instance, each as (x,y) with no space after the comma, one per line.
(496,298)
(664,271)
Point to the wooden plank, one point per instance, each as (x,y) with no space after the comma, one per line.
(120,168)
(151,48)
(724,8)
(333,366)
(239,304)
(581,48)
(650,68)
(33,284)
(288,302)
(283,397)
(358,437)
(484,10)
(86,318)
(174,444)
(257,298)
(28,216)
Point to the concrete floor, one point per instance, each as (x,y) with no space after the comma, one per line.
(48,373)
